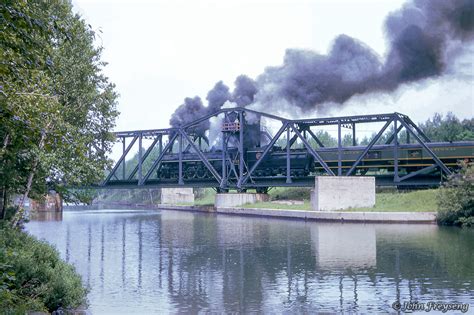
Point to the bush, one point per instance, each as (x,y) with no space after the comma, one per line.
(456,198)
(10,212)
(293,193)
(33,276)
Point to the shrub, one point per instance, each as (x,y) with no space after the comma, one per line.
(33,276)
(10,212)
(456,198)
(293,193)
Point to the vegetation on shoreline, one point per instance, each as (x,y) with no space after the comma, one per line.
(414,201)
(57,108)
(33,277)
(456,199)
(386,201)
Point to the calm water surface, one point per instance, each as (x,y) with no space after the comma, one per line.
(180,262)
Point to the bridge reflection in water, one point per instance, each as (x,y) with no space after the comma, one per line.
(150,262)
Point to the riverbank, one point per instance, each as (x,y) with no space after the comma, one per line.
(293,203)
(33,277)
(309,215)
(412,201)
(284,198)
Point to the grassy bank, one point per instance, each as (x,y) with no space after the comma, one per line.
(299,199)
(33,277)
(414,201)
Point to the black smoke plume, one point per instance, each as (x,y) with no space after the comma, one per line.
(245,90)
(424,37)
(217,97)
(243,95)
(191,110)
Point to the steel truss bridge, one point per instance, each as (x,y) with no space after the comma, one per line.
(228,166)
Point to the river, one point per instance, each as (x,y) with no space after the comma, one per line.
(182,262)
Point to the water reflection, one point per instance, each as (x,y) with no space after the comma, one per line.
(46,216)
(152,262)
(344,246)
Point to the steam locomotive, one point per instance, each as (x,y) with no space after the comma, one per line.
(379,160)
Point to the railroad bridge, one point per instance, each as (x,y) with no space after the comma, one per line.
(240,152)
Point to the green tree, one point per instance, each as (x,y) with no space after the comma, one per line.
(326,139)
(57,108)
(448,128)
(456,198)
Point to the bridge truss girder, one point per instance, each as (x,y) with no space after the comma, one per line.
(235,173)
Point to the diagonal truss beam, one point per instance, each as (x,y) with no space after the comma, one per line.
(201,156)
(232,167)
(392,136)
(265,152)
(243,172)
(315,137)
(371,144)
(423,144)
(292,141)
(168,146)
(312,151)
(308,129)
(122,158)
(230,110)
(187,149)
(147,152)
(410,122)
(417,172)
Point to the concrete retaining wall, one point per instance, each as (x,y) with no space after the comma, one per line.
(342,192)
(172,196)
(344,216)
(233,200)
(341,216)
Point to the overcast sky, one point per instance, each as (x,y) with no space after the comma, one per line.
(160,52)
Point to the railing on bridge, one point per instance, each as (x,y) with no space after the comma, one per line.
(240,157)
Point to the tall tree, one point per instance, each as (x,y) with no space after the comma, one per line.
(57,108)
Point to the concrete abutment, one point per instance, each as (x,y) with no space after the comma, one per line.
(238,199)
(343,192)
(176,196)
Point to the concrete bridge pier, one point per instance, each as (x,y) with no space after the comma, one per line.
(238,199)
(343,192)
(176,196)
